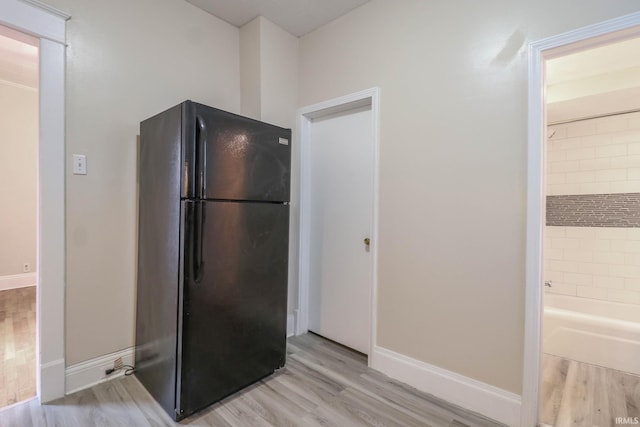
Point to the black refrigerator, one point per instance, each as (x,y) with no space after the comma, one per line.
(213,242)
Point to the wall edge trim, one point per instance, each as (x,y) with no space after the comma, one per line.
(291,325)
(51,380)
(50,9)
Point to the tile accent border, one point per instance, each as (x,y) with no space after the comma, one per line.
(594,210)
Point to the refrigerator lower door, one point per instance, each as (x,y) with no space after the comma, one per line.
(235,297)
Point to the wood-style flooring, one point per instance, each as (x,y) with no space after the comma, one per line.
(579,394)
(17,345)
(322,384)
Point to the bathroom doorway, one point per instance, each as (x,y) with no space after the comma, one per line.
(19,58)
(593,36)
(591,314)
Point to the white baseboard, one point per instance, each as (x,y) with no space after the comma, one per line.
(291,322)
(51,380)
(17,281)
(87,374)
(476,396)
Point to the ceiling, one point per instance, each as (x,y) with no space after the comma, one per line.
(19,52)
(298,17)
(592,62)
(594,82)
(18,58)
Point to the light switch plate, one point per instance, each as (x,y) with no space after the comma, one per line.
(79,164)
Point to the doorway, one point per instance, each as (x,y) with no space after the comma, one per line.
(48,25)
(18,223)
(338,219)
(591,257)
(540,52)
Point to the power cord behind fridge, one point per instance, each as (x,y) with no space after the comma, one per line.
(128,370)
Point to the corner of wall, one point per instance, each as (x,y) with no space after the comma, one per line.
(250,70)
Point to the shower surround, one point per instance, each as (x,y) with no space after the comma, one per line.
(592,242)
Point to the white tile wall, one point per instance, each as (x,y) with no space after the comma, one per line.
(612,124)
(583,128)
(595,156)
(599,263)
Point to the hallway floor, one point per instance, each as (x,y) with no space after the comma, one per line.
(17,345)
(322,384)
(579,394)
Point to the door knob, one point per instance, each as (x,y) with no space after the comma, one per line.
(367,241)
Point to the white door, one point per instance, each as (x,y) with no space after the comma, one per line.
(341,218)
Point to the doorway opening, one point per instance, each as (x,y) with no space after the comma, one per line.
(19,66)
(49,26)
(338,219)
(591,257)
(577,209)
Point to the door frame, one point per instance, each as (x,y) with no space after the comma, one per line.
(49,26)
(539,51)
(368,97)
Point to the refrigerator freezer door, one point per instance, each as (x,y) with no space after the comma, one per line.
(241,158)
(234,314)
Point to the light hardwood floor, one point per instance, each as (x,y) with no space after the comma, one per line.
(322,384)
(17,345)
(579,394)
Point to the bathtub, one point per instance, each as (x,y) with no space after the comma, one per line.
(597,332)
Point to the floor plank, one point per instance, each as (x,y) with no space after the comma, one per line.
(322,384)
(17,345)
(579,394)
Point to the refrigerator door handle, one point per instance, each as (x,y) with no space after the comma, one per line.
(201,158)
(198,241)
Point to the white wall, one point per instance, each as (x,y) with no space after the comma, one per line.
(453,79)
(269,73)
(269,92)
(279,102)
(125,62)
(594,85)
(279,74)
(18,175)
(250,70)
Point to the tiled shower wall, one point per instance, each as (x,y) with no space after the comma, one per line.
(592,243)
(598,156)
(594,262)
